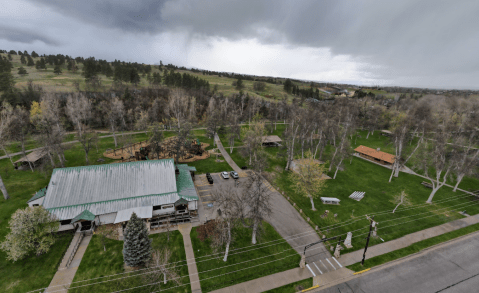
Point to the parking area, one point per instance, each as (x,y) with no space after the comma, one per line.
(204,189)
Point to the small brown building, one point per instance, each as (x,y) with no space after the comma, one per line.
(375,155)
(34,158)
(271,140)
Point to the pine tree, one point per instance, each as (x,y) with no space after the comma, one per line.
(57,70)
(30,61)
(22,71)
(137,245)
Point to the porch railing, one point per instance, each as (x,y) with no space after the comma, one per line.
(75,248)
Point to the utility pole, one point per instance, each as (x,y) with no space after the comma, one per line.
(367,241)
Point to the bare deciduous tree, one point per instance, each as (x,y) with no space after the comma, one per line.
(79,110)
(231,211)
(156,140)
(3,189)
(257,197)
(160,270)
(19,128)
(115,112)
(6,113)
(436,155)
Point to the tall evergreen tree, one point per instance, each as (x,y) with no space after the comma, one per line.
(288,86)
(137,245)
(57,70)
(30,61)
(34,54)
(6,77)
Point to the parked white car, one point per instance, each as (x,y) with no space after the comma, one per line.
(225,175)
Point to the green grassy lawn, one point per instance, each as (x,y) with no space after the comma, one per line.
(365,176)
(99,263)
(362,175)
(36,272)
(33,272)
(293,287)
(211,269)
(416,247)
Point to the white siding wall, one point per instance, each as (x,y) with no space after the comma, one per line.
(192,205)
(107,218)
(36,201)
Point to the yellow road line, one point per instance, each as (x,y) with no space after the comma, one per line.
(360,272)
(314,287)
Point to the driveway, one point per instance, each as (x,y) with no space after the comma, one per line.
(291,226)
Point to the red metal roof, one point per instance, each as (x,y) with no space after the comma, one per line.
(376,154)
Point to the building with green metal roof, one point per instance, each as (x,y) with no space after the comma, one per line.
(104,192)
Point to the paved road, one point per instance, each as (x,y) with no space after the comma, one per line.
(288,222)
(453,267)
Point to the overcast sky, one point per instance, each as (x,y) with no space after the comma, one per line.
(407,43)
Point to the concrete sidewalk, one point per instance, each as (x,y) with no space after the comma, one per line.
(268,282)
(226,156)
(185,230)
(64,276)
(379,249)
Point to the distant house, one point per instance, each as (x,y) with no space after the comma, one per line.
(375,155)
(34,158)
(88,196)
(271,140)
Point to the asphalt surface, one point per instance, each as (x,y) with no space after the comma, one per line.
(450,268)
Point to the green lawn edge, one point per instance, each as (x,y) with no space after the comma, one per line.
(414,248)
(291,288)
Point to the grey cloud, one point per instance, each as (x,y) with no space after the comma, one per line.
(24,36)
(129,16)
(402,39)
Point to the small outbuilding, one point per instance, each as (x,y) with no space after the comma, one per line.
(329,200)
(271,140)
(34,158)
(375,155)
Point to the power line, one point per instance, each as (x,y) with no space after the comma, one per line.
(290,238)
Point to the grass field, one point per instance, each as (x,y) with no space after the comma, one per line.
(99,263)
(362,175)
(240,267)
(65,82)
(293,287)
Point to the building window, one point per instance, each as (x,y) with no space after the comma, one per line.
(168,206)
(156,208)
(35,205)
(65,222)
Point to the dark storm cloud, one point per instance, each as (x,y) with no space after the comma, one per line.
(129,16)
(400,39)
(24,36)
